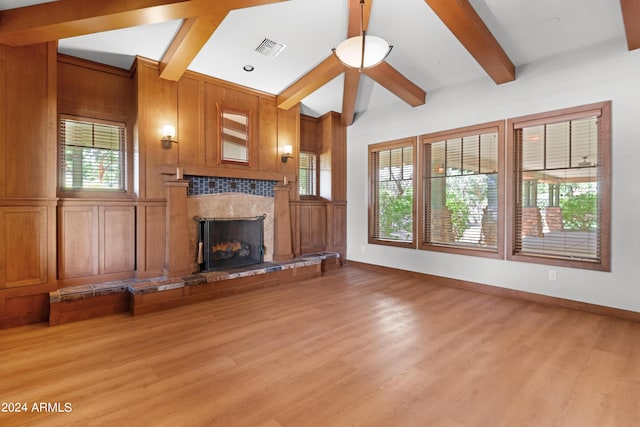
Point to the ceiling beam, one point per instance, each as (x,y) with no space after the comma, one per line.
(396,83)
(69,18)
(353,28)
(463,21)
(191,37)
(351,80)
(631,17)
(323,73)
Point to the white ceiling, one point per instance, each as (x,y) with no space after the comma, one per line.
(424,49)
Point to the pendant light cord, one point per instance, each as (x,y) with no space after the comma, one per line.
(362,33)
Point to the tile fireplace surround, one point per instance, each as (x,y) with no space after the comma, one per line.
(220,197)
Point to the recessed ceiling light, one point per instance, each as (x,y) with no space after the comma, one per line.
(248,68)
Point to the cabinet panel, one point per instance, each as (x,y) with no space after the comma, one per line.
(23,246)
(117,239)
(313,219)
(78,241)
(337,228)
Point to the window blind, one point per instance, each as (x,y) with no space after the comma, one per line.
(308,174)
(460,191)
(557,189)
(391,192)
(91,155)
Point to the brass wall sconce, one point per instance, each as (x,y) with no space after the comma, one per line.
(169,132)
(287,153)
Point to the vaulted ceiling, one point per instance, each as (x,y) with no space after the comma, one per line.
(437,43)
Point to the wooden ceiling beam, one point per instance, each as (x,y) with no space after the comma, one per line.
(396,83)
(463,21)
(69,18)
(353,28)
(351,81)
(631,17)
(191,37)
(323,73)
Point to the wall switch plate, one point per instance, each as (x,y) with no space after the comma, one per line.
(552,275)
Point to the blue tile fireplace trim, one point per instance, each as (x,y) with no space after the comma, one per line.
(205,185)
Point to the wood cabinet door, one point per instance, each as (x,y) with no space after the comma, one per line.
(313,229)
(117,239)
(77,241)
(23,246)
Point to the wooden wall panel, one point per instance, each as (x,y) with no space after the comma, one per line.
(117,239)
(268,159)
(333,158)
(289,134)
(337,228)
(78,241)
(309,134)
(23,246)
(313,220)
(217,97)
(151,224)
(190,121)
(3,114)
(94,90)
(24,309)
(27,149)
(157,107)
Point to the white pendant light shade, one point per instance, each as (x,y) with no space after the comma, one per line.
(349,52)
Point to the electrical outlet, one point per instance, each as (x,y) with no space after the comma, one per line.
(552,275)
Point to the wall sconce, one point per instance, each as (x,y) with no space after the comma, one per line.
(287,153)
(169,132)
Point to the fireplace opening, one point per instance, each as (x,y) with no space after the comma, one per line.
(225,243)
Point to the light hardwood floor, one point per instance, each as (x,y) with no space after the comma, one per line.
(354,347)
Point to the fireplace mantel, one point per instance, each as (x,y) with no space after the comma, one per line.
(196,170)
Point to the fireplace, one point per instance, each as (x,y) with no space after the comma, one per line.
(225,243)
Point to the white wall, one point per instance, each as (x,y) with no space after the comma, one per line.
(604,72)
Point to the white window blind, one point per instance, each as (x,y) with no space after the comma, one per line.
(92,155)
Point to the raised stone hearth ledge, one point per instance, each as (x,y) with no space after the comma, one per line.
(165,284)
(147,295)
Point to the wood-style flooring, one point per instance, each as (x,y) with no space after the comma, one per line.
(354,347)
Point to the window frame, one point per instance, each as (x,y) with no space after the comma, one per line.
(603,111)
(89,193)
(426,139)
(383,146)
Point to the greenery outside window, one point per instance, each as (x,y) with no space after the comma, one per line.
(308,174)
(92,155)
(391,193)
(560,188)
(460,190)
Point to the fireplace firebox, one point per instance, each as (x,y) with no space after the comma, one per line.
(225,243)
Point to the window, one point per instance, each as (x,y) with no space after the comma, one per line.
(92,155)
(560,188)
(308,174)
(460,197)
(391,189)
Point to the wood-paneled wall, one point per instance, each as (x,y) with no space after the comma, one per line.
(27,182)
(192,105)
(96,231)
(319,224)
(50,238)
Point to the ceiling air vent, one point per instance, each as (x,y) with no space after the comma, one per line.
(270,48)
